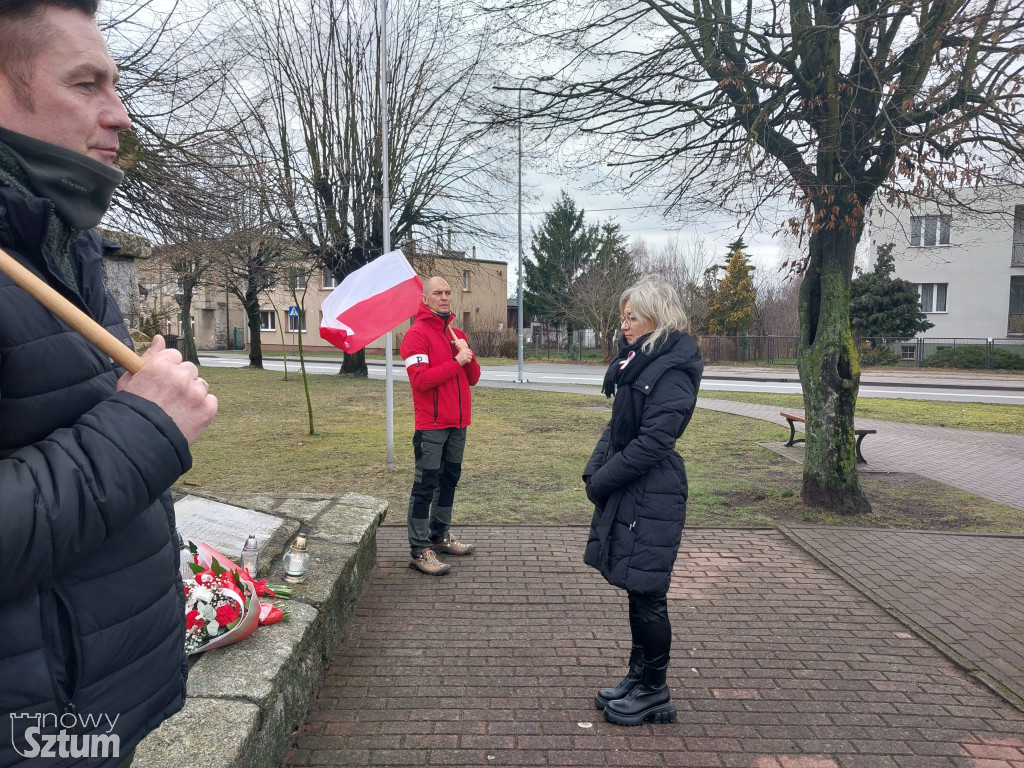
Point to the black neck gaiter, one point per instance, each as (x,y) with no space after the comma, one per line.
(79,187)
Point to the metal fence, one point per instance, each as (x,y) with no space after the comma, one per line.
(749,349)
(992,354)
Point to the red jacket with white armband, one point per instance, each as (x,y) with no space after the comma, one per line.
(440,386)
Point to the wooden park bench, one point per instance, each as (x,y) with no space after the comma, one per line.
(792,418)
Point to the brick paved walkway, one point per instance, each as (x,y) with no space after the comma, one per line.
(778,663)
(965,592)
(987,464)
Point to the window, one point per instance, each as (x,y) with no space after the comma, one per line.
(1016,320)
(932,297)
(296,279)
(465,320)
(1017,257)
(268,320)
(1017,296)
(465,279)
(293,322)
(929,230)
(908,352)
(329,281)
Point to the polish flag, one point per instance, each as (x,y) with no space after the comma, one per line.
(370,302)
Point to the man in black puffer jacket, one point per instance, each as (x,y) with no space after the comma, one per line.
(91,617)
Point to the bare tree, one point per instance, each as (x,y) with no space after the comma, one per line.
(825,102)
(255,252)
(777,303)
(689,268)
(173,66)
(316,63)
(251,262)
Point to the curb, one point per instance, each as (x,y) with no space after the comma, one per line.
(924,380)
(921,382)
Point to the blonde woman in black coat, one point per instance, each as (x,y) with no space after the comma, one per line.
(637,483)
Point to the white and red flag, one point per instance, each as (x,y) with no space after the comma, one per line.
(370,302)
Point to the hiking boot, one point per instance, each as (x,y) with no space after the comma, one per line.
(428,563)
(452,546)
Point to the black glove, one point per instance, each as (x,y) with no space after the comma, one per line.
(597,498)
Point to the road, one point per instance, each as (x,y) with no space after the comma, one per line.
(910,384)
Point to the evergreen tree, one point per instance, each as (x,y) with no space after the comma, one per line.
(733,307)
(883,306)
(561,250)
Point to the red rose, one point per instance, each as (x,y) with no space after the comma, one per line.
(226,614)
(193,619)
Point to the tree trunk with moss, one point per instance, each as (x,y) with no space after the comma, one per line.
(830,375)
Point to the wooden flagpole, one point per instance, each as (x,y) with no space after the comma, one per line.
(93,332)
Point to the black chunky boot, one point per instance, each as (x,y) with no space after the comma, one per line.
(647,702)
(629,682)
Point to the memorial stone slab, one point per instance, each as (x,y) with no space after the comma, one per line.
(223,526)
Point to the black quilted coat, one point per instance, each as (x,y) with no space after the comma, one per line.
(635,533)
(91,606)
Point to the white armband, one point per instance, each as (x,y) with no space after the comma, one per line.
(416,360)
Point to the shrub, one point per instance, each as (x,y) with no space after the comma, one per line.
(493,343)
(883,354)
(974,356)
(1003,359)
(509,346)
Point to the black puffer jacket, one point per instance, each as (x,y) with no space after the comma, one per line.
(91,606)
(635,533)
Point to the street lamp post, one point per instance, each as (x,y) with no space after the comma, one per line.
(519,124)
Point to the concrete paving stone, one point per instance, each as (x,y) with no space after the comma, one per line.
(687,758)
(869,761)
(625,758)
(984,638)
(784,675)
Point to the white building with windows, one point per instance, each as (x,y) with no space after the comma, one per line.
(967,263)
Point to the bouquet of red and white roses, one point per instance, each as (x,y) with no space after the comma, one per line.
(222,602)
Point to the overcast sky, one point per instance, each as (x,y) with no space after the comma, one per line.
(637,215)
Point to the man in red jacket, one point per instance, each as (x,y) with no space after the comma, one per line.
(441,369)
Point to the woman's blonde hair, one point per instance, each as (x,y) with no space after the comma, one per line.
(653,300)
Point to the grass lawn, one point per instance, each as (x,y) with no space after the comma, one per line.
(526,451)
(988,417)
